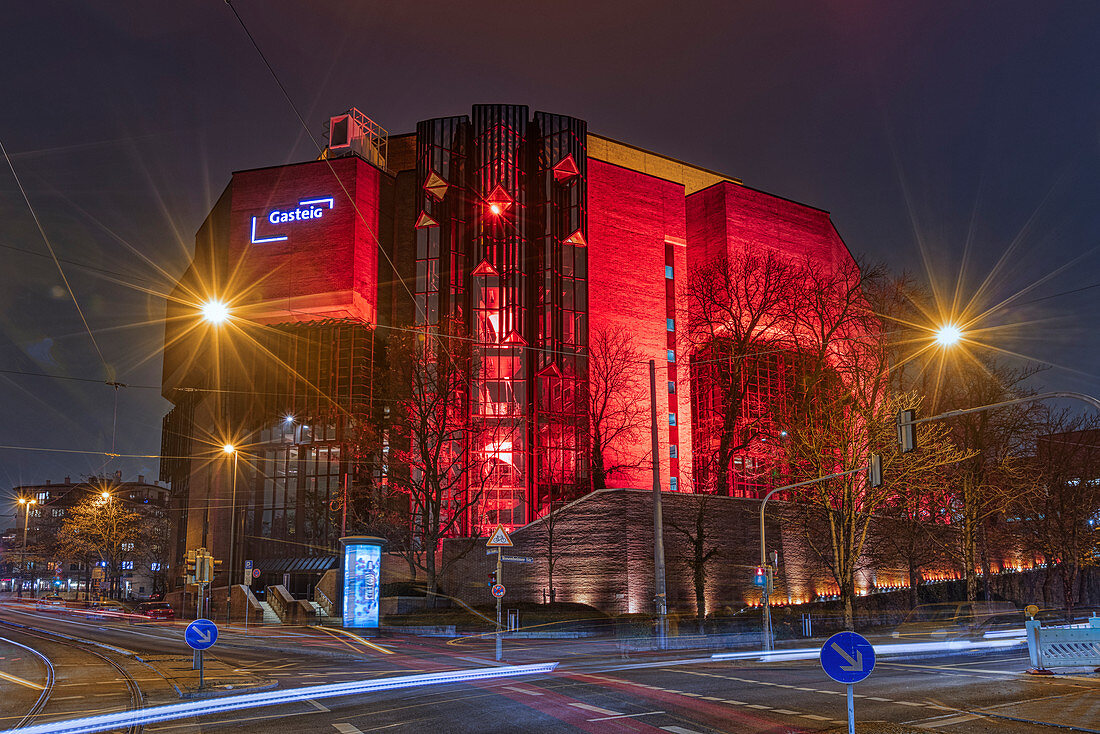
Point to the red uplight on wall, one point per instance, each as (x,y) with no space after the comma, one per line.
(496,209)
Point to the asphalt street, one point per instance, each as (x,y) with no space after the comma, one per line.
(594,689)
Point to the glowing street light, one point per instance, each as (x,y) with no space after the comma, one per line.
(229,448)
(948,335)
(106,495)
(214,311)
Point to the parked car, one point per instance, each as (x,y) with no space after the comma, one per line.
(157,610)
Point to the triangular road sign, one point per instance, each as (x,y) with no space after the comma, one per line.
(499,539)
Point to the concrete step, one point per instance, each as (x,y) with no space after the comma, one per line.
(322,617)
(270,617)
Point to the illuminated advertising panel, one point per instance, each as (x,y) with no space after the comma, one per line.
(362,581)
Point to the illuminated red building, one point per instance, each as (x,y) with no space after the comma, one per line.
(527,229)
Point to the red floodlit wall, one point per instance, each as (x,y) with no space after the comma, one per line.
(632,216)
(725,218)
(298,250)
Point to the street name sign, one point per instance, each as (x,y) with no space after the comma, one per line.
(201,634)
(517,559)
(847,657)
(499,538)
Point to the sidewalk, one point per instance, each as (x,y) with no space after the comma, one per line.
(220,679)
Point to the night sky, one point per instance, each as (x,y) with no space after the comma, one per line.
(959,141)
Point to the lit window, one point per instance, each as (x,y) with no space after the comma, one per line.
(673,484)
(154,566)
(670,324)
(668,272)
(672,419)
(671,355)
(671,387)
(672,451)
(127,546)
(127,565)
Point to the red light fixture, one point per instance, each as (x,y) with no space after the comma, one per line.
(498,201)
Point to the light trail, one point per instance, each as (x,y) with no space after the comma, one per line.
(104,722)
(808,653)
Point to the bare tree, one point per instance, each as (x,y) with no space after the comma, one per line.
(738,309)
(702,550)
(434,462)
(1059,510)
(617,404)
(839,410)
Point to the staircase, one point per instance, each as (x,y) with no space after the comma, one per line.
(270,617)
(323,618)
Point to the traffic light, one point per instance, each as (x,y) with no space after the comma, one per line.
(492,579)
(907,431)
(190,566)
(760,578)
(874,471)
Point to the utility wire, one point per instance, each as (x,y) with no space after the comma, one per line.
(45,238)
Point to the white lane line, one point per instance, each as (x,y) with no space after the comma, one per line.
(596,709)
(318,706)
(517,689)
(345,728)
(786,712)
(64,698)
(814,717)
(679,730)
(627,716)
(734,703)
(760,706)
(876,698)
(909,703)
(949,721)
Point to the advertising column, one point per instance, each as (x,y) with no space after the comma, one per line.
(362,576)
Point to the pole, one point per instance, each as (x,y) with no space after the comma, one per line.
(23,556)
(851,710)
(232,546)
(660,596)
(500,580)
(768,571)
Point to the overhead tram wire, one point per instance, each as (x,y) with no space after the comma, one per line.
(108,372)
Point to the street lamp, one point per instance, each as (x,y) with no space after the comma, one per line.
(214,311)
(231,449)
(948,335)
(26,502)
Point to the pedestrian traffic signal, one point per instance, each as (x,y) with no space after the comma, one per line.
(760,578)
(907,430)
(874,471)
(492,579)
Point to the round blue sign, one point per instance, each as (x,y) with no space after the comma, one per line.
(201,634)
(847,657)
(498,590)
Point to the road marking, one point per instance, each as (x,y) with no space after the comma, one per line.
(814,717)
(760,706)
(876,698)
(318,706)
(64,698)
(949,721)
(596,709)
(679,730)
(627,716)
(20,681)
(909,703)
(787,712)
(345,728)
(359,639)
(523,690)
(734,703)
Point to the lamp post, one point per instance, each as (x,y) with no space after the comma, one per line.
(26,502)
(231,449)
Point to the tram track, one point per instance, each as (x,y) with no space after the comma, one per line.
(39,706)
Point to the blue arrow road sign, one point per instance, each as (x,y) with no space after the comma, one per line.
(201,634)
(847,657)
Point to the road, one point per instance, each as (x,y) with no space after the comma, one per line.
(598,691)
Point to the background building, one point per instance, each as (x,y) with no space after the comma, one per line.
(50,566)
(530,235)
